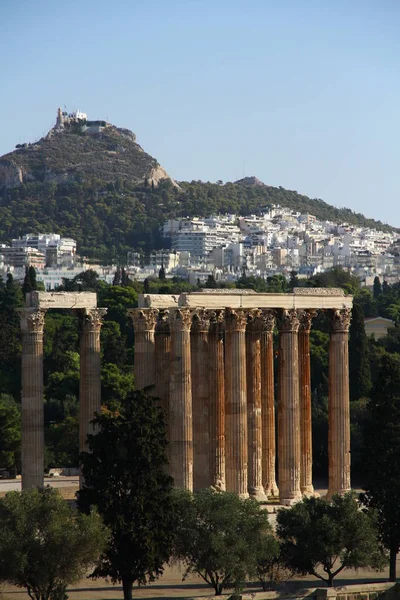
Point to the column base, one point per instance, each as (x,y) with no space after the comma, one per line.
(244,495)
(218,486)
(308,491)
(271,490)
(288,499)
(340,492)
(258,494)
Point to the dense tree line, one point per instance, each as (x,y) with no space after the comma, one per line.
(108,219)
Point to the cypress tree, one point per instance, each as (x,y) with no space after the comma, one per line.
(26,286)
(377,288)
(382,454)
(359,365)
(161,273)
(32,277)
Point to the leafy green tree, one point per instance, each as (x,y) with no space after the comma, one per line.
(220,537)
(294,280)
(10,432)
(11,300)
(333,536)
(377,288)
(116,384)
(44,544)
(161,273)
(125,478)
(382,455)
(117,277)
(359,366)
(270,567)
(62,443)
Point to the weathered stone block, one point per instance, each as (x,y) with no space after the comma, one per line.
(68,300)
(158,301)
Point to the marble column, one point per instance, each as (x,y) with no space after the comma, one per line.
(32,409)
(268,405)
(306,485)
(162,352)
(180,406)
(288,409)
(200,399)
(236,402)
(216,400)
(254,420)
(144,323)
(90,372)
(339,404)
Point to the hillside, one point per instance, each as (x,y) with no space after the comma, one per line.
(80,153)
(103,190)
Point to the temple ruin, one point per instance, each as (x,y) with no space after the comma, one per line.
(209,358)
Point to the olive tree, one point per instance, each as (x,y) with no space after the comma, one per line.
(216,535)
(329,536)
(44,544)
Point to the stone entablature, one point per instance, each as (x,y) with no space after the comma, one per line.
(218,388)
(67,300)
(318,299)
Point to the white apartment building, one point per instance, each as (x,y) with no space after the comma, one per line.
(56,249)
(200,236)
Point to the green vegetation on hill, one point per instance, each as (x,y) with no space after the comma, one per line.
(109,218)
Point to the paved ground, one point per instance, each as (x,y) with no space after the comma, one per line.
(8,485)
(170,586)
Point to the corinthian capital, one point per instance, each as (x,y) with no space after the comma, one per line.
(162,325)
(32,320)
(255,321)
(289,320)
(305,318)
(268,316)
(201,321)
(340,320)
(92,319)
(180,319)
(217,321)
(235,319)
(144,319)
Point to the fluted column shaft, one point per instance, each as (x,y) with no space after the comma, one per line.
(268,406)
(162,352)
(236,405)
(90,372)
(306,484)
(339,404)
(216,401)
(200,400)
(254,420)
(32,409)
(144,322)
(180,413)
(288,409)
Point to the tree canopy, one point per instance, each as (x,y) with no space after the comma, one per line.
(44,544)
(126,480)
(382,454)
(318,534)
(221,537)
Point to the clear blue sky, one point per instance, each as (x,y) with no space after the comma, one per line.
(301,93)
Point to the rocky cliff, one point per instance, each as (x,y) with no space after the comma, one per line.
(77,153)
